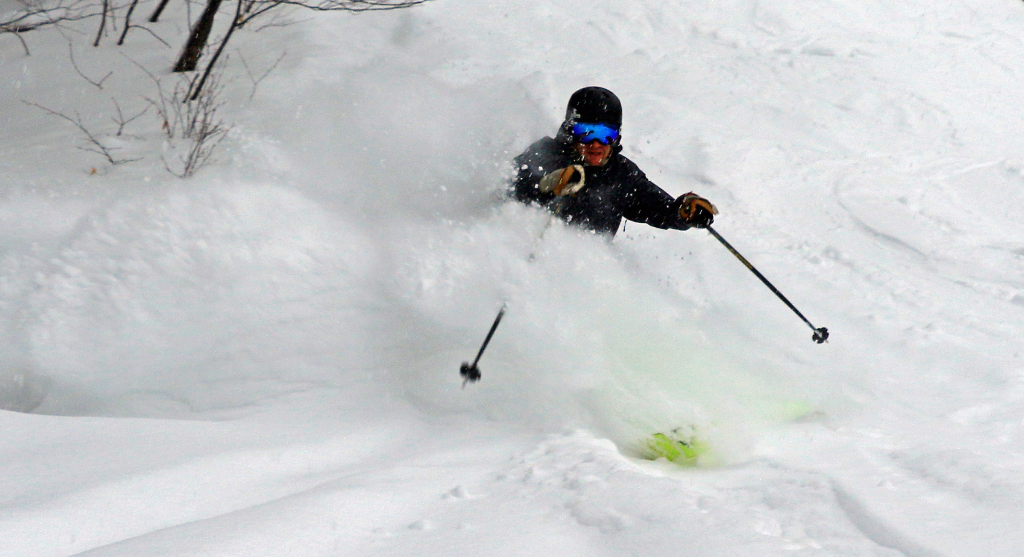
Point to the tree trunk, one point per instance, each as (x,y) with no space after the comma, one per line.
(216,55)
(197,39)
(159,10)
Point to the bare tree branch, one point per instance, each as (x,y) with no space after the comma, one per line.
(276,19)
(194,122)
(121,121)
(127,22)
(155,36)
(197,122)
(97,147)
(256,81)
(23,43)
(38,14)
(103,22)
(161,102)
(98,84)
(346,5)
(256,8)
(247,10)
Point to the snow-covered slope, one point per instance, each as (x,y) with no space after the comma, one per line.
(263,359)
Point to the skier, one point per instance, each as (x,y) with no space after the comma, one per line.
(581,175)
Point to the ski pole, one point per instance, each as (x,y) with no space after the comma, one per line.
(471,373)
(820,333)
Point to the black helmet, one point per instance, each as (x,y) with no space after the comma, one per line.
(594,105)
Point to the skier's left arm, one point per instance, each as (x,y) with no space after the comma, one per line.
(643,201)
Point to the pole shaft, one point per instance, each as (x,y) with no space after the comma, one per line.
(490,334)
(760,276)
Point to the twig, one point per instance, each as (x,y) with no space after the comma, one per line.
(121,121)
(256,81)
(256,8)
(278,22)
(193,121)
(275,21)
(24,45)
(167,167)
(150,31)
(161,104)
(99,149)
(71,53)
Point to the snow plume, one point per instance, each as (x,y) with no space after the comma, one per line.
(183,300)
(418,159)
(587,341)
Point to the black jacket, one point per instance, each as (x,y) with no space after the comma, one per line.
(610,192)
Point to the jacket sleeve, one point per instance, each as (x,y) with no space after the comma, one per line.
(525,185)
(542,157)
(643,201)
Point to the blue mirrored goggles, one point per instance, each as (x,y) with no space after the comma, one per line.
(603,133)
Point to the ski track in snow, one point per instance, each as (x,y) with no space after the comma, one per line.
(262,360)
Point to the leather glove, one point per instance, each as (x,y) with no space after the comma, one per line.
(696,211)
(564,181)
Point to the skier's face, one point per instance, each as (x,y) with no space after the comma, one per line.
(594,153)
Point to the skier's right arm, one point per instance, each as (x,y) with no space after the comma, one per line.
(526,185)
(539,160)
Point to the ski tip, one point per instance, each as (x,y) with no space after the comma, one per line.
(686,452)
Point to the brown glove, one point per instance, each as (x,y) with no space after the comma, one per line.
(564,181)
(696,211)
